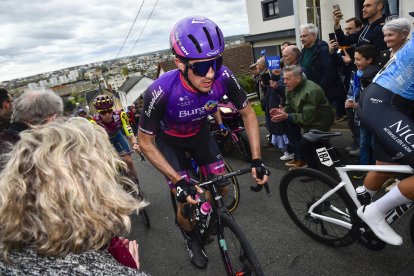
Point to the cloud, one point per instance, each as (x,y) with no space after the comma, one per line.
(40,36)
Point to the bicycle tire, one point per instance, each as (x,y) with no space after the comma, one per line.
(299,189)
(232,199)
(237,254)
(243,147)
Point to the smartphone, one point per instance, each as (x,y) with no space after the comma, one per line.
(332,36)
(336,7)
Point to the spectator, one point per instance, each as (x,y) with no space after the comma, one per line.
(58,212)
(365,62)
(391,8)
(306,106)
(6,108)
(264,80)
(396,32)
(30,109)
(132,121)
(352,25)
(290,56)
(279,129)
(256,79)
(320,68)
(370,33)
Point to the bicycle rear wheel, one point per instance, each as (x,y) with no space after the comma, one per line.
(237,254)
(300,188)
(232,197)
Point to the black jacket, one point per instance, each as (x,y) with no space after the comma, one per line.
(323,71)
(369,34)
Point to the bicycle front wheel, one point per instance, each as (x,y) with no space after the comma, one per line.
(300,189)
(237,254)
(232,196)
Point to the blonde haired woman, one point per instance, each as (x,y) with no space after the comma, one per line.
(62,201)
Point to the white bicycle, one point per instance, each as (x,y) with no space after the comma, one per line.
(324,206)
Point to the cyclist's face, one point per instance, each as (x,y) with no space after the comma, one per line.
(394,40)
(361,62)
(201,83)
(107,116)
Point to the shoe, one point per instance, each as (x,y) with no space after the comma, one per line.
(195,251)
(376,221)
(291,162)
(354,152)
(287,156)
(359,175)
(299,164)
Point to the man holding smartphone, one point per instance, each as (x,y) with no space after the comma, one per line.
(370,33)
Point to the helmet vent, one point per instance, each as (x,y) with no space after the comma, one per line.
(219,36)
(195,42)
(210,41)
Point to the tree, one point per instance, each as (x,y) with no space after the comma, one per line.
(125,71)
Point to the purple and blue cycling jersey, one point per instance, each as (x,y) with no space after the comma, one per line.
(177,110)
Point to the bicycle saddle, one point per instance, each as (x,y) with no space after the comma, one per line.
(315,135)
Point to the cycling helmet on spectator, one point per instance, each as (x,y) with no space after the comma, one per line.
(196,38)
(103,102)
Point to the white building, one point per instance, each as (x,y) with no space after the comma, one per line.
(272,22)
(32,86)
(132,89)
(53,81)
(63,79)
(115,81)
(43,84)
(73,75)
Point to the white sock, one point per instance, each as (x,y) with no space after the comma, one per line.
(391,200)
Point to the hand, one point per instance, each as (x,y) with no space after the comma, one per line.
(223,129)
(132,247)
(136,147)
(276,71)
(346,58)
(337,16)
(185,191)
(333,46)
(259,171)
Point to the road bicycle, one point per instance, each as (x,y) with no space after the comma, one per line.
(237,254)
(324,207)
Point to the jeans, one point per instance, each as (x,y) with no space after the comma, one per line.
(294,135)
(365,146)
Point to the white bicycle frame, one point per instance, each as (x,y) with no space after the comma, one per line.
(345,181)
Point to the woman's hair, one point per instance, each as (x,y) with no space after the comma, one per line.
(399,25)
(60,190)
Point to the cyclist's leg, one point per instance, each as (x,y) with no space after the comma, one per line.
(394,131)
(124,150)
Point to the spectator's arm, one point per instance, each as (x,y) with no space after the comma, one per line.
(344,40)
(329,72)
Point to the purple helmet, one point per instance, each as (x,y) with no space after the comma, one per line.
(196,38)
(103,102)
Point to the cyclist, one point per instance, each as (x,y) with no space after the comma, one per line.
(174,116)
(116,124)
(392,96)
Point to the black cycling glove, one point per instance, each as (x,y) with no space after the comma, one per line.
(184,189)
(261,169)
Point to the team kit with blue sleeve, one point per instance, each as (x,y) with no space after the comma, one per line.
(387,106)
(177,115)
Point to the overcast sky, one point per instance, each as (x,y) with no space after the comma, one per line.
(44,35)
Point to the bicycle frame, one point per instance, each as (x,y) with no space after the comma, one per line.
(328,157)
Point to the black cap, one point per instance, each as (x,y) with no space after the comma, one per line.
(411,13)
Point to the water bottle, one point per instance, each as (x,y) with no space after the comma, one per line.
(363,196)
(203,211)
(396,213)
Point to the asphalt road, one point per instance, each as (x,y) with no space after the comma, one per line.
(280,246)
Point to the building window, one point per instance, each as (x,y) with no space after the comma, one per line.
(270,9)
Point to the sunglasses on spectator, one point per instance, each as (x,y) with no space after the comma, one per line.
(201,68)
(105,111)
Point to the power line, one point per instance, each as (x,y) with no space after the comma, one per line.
(132,26)
(136,41)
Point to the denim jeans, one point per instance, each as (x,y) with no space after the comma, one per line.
(366,146)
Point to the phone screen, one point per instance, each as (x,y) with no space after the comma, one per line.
(336,7)
(332,36)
